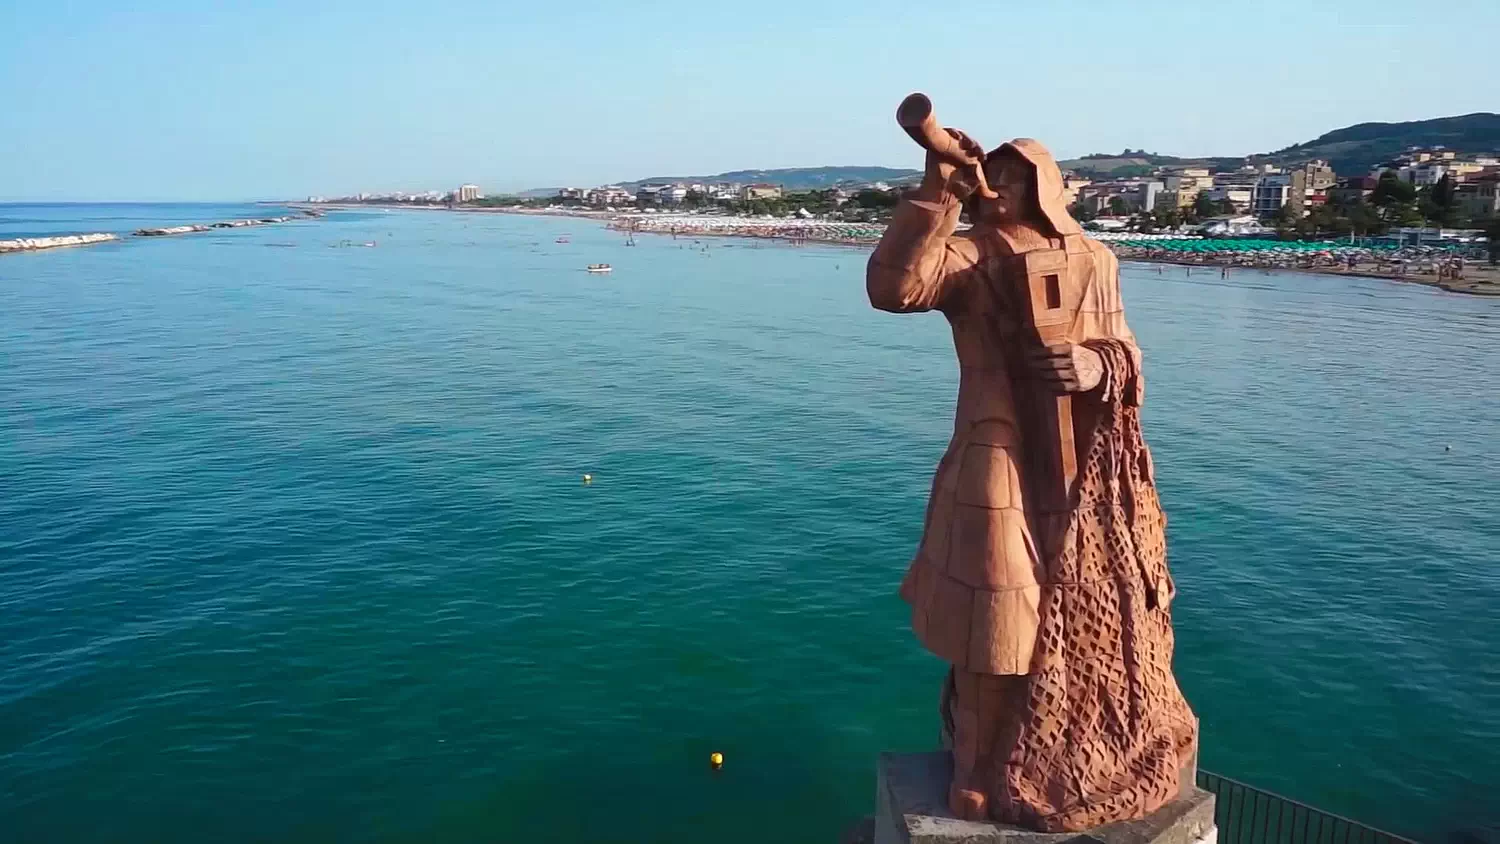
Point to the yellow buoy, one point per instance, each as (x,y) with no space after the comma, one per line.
(716,760)
(588,479)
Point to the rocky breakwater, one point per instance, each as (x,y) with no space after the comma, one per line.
(31,244)
(163,232)
(226,224)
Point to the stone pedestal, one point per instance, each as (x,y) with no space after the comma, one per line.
(911,807)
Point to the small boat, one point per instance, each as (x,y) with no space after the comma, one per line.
(563,239)
(599,268)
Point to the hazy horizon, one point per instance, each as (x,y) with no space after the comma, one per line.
(171,101)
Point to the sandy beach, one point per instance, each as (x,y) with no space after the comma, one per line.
(1475,278)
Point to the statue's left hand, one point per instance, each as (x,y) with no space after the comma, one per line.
(1067,367)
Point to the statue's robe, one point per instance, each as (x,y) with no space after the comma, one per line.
(1094,728)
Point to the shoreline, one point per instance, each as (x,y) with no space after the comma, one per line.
(1480,280)
(1486,284)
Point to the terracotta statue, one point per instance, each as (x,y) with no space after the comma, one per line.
(1041,576)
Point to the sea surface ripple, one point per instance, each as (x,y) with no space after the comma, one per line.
(294,542)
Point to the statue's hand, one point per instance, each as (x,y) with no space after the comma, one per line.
(944,181)
(1067,367)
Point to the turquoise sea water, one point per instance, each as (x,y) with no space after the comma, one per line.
(294,544)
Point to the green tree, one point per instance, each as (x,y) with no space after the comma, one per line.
(1364,220)
(1286,223)
(1390,190)
(871,198)
(1117,206)
(1406,214)
(1439,203)
(1080,213)
(1203,207)
(1323,219)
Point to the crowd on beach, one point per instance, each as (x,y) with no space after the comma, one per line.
(1440,263)
(794,229)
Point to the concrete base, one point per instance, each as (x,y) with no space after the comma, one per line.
(911,807)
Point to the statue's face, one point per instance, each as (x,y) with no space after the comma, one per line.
(1012,180)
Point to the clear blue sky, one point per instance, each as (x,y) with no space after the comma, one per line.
(152,99)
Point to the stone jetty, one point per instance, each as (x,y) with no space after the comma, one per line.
(31,244)
(226,224)
(169,230)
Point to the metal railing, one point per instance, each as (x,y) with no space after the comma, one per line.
(1247,815)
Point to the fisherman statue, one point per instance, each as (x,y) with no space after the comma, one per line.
(1041,576)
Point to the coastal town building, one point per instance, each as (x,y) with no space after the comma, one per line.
(1261,192)
(1237,195)
(1480,197)
(1098,197)
(1145,194)
(723,192)
(760,191)
(1419,155)
(1424,167)
(1319,176)
(1351,190)
(1094,201)
(468,193)
(1072,185)
(1424,175)
(1236,186)
(652,195)
(1182,187)
(1462,170)
(1242,178)
(610,196)
(1298,193)
(1270,194)
(601,197)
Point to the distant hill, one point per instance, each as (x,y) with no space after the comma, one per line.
(1353,150)
(1358,148)
(1138,163)
(797,178)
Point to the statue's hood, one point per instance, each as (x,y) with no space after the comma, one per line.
(1049,183)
